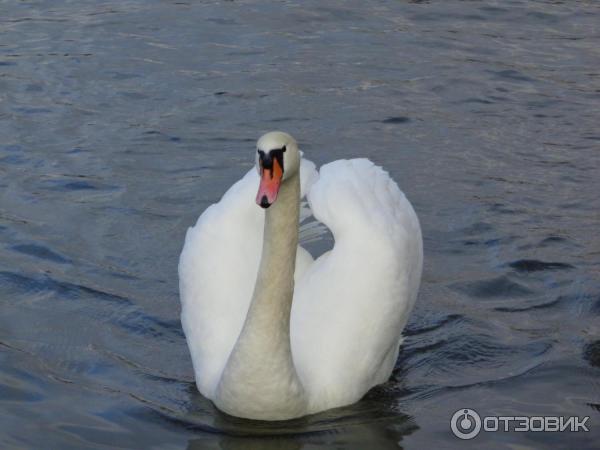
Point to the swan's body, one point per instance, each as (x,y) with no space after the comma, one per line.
(264,347)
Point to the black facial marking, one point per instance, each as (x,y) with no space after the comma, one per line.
(266,159)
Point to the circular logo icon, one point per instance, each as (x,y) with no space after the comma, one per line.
(465,423)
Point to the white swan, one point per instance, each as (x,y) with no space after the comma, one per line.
(256,353)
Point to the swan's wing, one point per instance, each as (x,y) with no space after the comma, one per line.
(353,302)
(217,271)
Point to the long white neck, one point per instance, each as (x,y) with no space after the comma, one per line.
(259,380)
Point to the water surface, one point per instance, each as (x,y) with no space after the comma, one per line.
(120,122)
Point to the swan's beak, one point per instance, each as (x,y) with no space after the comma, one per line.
(271,174)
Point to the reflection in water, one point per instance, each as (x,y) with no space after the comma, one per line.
(362,435)
(368,424)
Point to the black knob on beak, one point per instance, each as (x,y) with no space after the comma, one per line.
(264,202)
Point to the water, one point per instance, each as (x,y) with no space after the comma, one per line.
(121,121)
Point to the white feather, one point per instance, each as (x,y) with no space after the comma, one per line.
(349,306)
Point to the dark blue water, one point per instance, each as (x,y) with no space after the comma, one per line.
(121,121)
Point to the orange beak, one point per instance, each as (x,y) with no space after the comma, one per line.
(270,182)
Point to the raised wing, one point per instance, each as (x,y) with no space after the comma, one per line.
(352,303)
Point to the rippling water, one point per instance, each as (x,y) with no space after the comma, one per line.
(121,121)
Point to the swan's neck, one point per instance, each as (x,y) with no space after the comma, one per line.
(259,380)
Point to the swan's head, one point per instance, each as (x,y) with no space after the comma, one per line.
(277,160)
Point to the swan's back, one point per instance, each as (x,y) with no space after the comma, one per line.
(353,302)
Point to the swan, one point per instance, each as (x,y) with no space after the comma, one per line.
(274,334)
